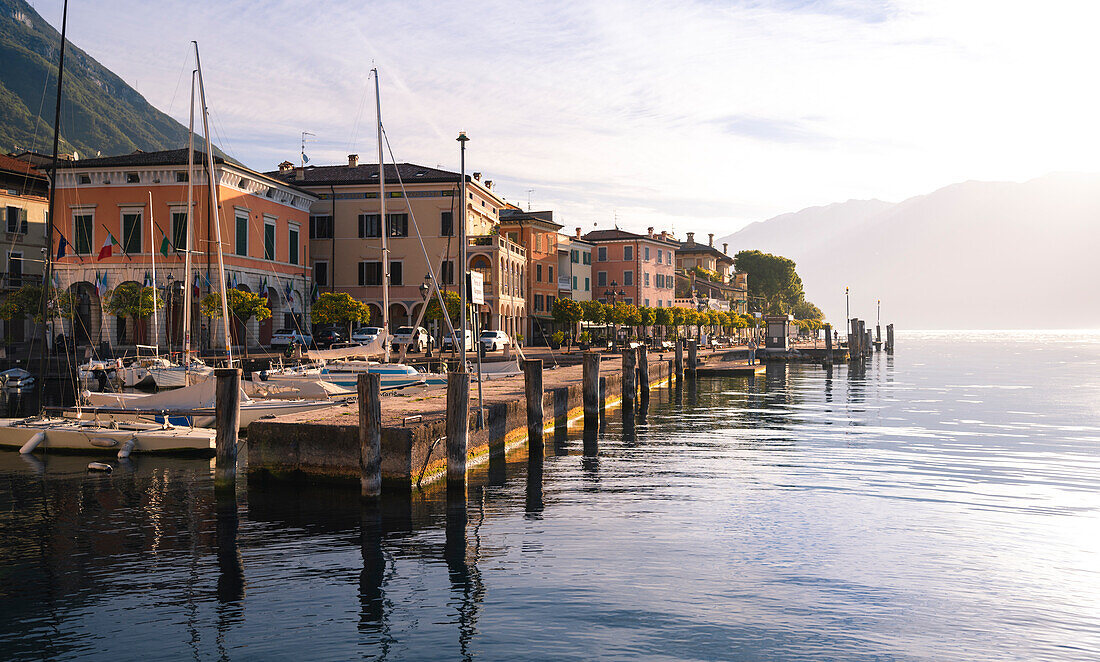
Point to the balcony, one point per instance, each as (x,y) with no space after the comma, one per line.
(565,284)
(14,281)
(495,241)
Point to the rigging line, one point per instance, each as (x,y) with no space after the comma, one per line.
(431,272)
(175,92)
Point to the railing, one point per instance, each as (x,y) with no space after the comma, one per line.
(498,242)
(565,283)
(15,281)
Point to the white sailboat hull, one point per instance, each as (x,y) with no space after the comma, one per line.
(64,434)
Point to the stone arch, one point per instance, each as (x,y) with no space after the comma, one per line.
(86,324)
(375,314)
(399,316)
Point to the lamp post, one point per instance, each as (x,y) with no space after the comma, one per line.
(847,313)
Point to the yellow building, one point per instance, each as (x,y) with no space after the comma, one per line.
(24,203)
(346,237)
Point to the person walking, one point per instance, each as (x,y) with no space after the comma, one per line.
(752,352)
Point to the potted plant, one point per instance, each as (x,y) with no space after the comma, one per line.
(519,340)
(557,339)
(585,340)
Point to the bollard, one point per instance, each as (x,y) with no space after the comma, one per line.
(643,372)
(829,343)
(890,338)
(679,360)
(867,344)
(693,356)
(532,389)
(370,434)
(227,420)
(590,388)
(458,430)
(630,378)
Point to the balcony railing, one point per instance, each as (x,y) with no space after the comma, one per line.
(565,283)
(497,242)
(9,281)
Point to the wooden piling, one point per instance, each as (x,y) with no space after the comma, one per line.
(532,388)
(630,378)
(679,360)
(693,356)
(590,388)
(890,338)
(643,372)
(369,385)
(227,421)
(458,429)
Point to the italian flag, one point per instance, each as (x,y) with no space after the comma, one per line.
(108,246)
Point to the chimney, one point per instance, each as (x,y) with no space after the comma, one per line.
(353,160)
(299,174)
(726,249)
(578,233)
(286,166)
(477,176)
(489,184)
(711,235)
(649,231)
(664,234)
(691,238)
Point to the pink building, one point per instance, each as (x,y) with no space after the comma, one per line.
(640,266)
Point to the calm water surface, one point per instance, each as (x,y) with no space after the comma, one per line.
(944,505)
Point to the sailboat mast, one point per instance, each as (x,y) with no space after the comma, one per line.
(153,260)
(47,271)
(187,246)
(385,225)
(214,208)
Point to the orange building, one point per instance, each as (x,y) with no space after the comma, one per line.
(538,233)
(106,201)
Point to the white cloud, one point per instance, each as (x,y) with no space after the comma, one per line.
(701,115)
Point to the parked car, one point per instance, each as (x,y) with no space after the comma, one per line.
(366,334)
(328,337)
(285,337)
(448,341)
(417,338)
(493,340)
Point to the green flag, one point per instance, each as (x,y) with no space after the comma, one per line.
(165,247)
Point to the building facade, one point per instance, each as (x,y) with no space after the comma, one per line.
(117,214)
(575,267)
(24,203)
(422,204)
(633,268)
(698,265)
(538,233)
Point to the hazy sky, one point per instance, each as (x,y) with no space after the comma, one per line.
(688,115)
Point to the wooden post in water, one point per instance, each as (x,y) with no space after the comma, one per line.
(590,390)
(828,343)
(458,429)
(630,378)
(693,356)
(868,344)
(643,372)
(369,385)
(679,361)
(890,338)
(532,388)
(227,422)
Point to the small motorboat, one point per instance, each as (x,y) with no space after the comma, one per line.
(16,378)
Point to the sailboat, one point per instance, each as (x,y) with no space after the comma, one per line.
(68,432)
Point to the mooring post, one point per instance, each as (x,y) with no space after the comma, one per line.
(532,388)
(679,360)
(878,333)
(590,390)
(643,372)
(370,434)
(868,344)
(458,429)
(693,356)
(630,378)
(890,338)
(227,421)
(829,342)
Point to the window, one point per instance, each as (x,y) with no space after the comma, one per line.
(370,225)
(447,272)
(131,233)
(647,281)
(269,241)
(320,227)
(538,241)
(370,274)
(669,256)
(398,224)
(397,273)
(538,273)
(179,230)
(601,254)
(587,255)
(181,176)
(292,244)
(17,220)
(320,274)
(647,300)
(446,224)
(574,256)
(574,282)
(241,246)
(549,274)
(628,300)
(628,253)
(538,302)
(660,256)
(85,179)
(83,224)
(550,301)
(628,278)
(132,178)
(646,254)
(601,279)
(586,287)
(660,280)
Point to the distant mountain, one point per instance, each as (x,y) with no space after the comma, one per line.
(101,112)
(975,255)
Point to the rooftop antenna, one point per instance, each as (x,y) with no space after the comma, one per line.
(529,192)
(305,159)
(616,212)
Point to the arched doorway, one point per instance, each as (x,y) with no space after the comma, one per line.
(85,324)
(266,326)
(399,316)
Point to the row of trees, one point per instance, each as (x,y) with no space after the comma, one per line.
(570,313)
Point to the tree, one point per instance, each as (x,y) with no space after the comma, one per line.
(242,305)
(567,312)
(646,316)
(133,301)
(27,302)
(804,310)
(339,308)
(663,317)
(593,312)
(435,314)
(772,278)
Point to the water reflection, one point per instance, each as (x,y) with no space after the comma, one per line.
(461,554)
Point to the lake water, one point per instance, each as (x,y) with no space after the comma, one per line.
(942,505)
